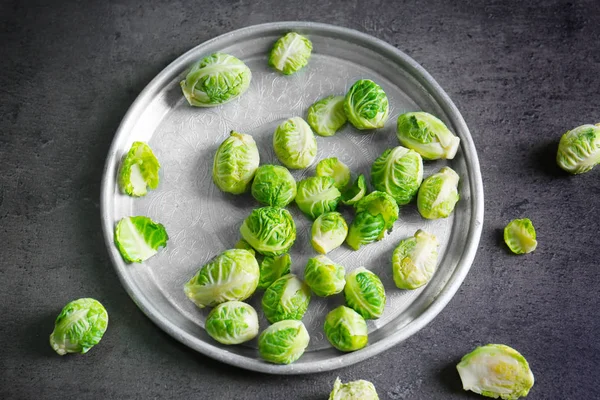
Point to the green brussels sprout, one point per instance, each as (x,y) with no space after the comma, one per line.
(317,195)
(79,327)
(379,203)
(366,105)
(328,232)
(345,329)
(269,230)
(232,322)
(235,163)
(283,342)
(273,185)
(336,169)
(290,53)
(519,236)
(427,135)
(216,79)
(323,276)
(287,298)
(356,390)
(327,115)
(496,370)
(438,194)
(414,260)
(139,170)
(232,275)
(294,143)
(356,192)
(242,244)
(365,228)
(139,238)
(273,268)
(579,149)
(364,293)
(399,173)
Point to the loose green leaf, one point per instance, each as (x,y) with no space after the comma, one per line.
(519,236)
(356,192)
(139,170)
(139,238)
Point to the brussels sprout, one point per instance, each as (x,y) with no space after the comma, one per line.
(286,298)
(79,327)
(242,244)
(345,329)
(336,169)
(232,322)
(283,342)
(364,293)
(414,260)
(496,370)
(216,79)
(235,163)
(139,238)
(427,135)
(232,275)
(273,268)
(579,149)
(356,390)
(366,105)
(317,195)
(356,192)
(379,203)
(269,230)
(139,170)
(273,185)
(519,236)
(290,53)
(438,194)
(399,173)
(294,143)
(365,228)
(327,115)
(328,232)
(323,276)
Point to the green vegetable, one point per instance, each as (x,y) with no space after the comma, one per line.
(427,135)
(336,169)
(399,173)
(216,79)
(287,298)
(366,105)
(232,275)
(356,192)
(519,236)
(273,268)
(379,203)
(295,144)
(438,194)
(328,232)
(242,244)
(414,260)
(290,53)
(274,185)
(356,390)
(375,215)
(139,238)
(232,322)
(269,230)
(345,329)
(235,163)
(579,149)
(324,277)
(364,293)
(283,342)
(139,170)
(327,115)
(317,195)
(79,326)
(496,370)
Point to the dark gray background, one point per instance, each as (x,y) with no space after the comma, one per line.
(520,74)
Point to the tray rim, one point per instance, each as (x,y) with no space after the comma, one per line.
(431,311)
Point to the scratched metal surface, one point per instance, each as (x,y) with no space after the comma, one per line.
(203,221)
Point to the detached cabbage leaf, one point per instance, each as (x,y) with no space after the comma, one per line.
(520,236)
(139,238)
(356,192)
(139,170)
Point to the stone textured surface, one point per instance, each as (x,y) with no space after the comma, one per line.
(520,74)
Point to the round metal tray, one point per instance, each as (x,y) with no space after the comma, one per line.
(202,221)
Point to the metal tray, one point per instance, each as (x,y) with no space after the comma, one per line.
(202,221)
